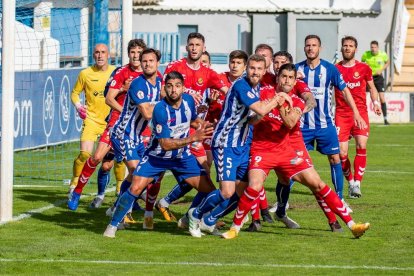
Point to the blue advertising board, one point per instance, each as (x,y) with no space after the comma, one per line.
(43,112)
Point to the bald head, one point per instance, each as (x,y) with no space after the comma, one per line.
(101,55)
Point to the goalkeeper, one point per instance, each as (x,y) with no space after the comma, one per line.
(91,81)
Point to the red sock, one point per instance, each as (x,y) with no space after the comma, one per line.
(328,212)
(346,167)
(334,203)
(245,205)
(152,192)
(255,209)
(86,173)
(262,199)
(360,163)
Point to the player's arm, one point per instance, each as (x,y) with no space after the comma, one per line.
(310,102)
(290,116)
(110,99)
(261,108)
(146,110)
(386,65)
(350,101)
(204,131)
(374,97)
(75,96)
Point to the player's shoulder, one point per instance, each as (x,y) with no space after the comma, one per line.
(188,98)
(175,63)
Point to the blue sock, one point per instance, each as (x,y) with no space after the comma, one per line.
(197,199)
(124,204)
(282,194)
(178,191)
(337,179)
(124,187)
(223,209)
(291,182)
(103,180)
(209,202)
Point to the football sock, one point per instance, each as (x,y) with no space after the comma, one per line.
(334,203)
(328,212)
(263,204)
(282,195)
(384,110)
(224,208)
(256,209)
(337,178)
(119,171)
(198,198)
(103,180)
(346,167)
(124,204)
(178,191)
(360,162)
(87,171)
(152,192)
(78,164)
(291,182)
(124,187)
(245,204)
(213,199)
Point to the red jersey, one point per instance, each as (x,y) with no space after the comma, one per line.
(300,88)
(121,75)
(215,106)
(270,133)
(356,78)
(196,81)
(268,79)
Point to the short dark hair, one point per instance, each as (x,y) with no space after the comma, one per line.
(374,42)
(349,37)
(239,54)
(257,58)
(313,36)
(196,35)
(263,46)
(149,51)
(285,54)
(288,67)
(174,75)
(136,42)
(205,53)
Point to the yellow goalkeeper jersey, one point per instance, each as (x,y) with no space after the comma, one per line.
(92,81)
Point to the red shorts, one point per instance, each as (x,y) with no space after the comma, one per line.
(207,144)
(196,148)
(296,142)
(146,136)
(285,163)
(105,137)
(346,128)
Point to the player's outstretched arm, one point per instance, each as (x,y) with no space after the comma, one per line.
(361,124)
(374,97)
(310,102)
(261,108)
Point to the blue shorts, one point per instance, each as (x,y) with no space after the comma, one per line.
(326,140)
(127,149)
(231,163)
(182,168)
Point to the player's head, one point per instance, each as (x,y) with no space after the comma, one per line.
(237,63)
(174,87)
(374,47)
(349,45)
(265,51)
(280,58)
(286,79)
(205,59)
(195,46)
(150,60)
(101,55)
(135,48)
(256,68)
(312,47)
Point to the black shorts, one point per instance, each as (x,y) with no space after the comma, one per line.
(379,83)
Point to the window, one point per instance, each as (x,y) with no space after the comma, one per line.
(184,31)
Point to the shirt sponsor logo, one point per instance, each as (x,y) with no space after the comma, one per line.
(178,130)
(352,85)
(318,92)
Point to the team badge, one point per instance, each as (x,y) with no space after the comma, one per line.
(250,95)
(356,75)
(140,94)
(320,76)
(200,81)
(158,128)
(296,161)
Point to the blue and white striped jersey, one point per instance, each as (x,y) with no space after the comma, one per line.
(131,123)
(321,81)
(233,129)
(168,122)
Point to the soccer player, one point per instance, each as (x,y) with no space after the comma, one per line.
(168,150)
(231,146)
(266,51)
(117,87)
(357,76)
(270,139)
(197,78)
(318,124)
(92,82)
(378,61)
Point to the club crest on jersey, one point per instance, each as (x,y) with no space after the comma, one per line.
(140,94)
(200,82)
(158,128)
(356,75)
(320,76)
(250,95)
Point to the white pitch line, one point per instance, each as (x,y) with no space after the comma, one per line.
(307,266)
